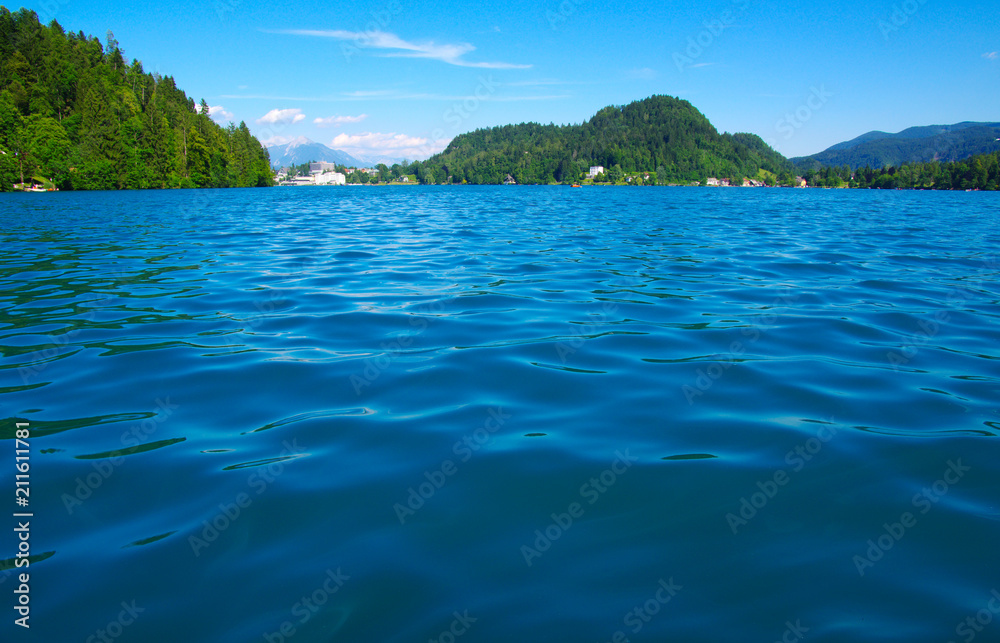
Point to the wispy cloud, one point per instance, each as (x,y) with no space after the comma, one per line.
(452,54)
(541,82)
(701,65)
(333,121)
(388,144)
(371,93)
(282,116)
(991,55)
(390,95)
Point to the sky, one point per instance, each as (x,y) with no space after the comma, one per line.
(401,79)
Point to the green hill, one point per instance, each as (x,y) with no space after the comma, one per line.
(660,135)
(914,145)
(76,114)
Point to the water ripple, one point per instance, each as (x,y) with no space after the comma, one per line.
(534,405)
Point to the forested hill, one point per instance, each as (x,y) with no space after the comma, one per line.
(914,145)
(75,114)
(661,135)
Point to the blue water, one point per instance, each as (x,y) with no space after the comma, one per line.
(503,414)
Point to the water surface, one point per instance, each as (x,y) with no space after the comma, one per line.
(510,414)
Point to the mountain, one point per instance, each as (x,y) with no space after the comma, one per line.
(302,150)
(661,134)
(914,145)
(75,114)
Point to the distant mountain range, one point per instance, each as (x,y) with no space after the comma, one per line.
(302,150)
(913,145)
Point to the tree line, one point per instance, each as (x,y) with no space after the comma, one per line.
(979,172)
(75,115)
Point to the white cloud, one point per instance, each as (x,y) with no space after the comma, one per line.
(991,55)
(446,53)
(339,120)
(292,115)
(391,144)
(219,114)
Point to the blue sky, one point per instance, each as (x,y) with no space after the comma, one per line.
(401,79)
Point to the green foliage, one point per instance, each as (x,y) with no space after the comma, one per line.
(979,172)
(75,113)
(660,134)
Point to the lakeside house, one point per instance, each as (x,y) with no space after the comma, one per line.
(594,171)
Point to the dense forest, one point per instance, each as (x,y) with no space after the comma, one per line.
(75,115)
(661,135)
(980,172)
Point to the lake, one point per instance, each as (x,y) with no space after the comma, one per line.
(502,414)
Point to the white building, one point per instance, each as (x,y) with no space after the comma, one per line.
(322,166)
(331,178)
(594,171)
